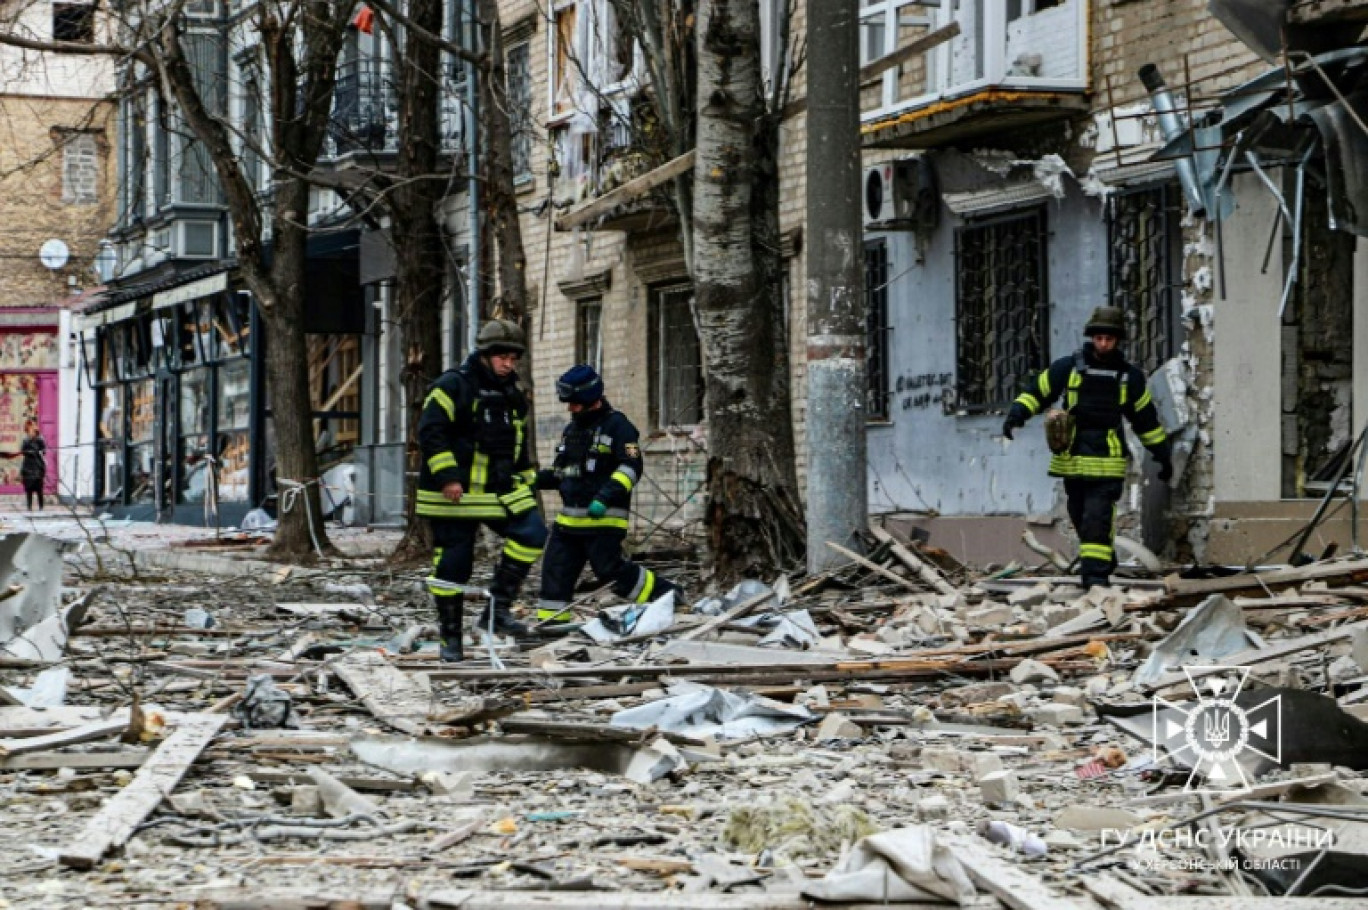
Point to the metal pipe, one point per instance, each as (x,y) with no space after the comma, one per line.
(1171,126)
(472,301)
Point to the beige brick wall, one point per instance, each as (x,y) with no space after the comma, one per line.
(670,496)
(32,207)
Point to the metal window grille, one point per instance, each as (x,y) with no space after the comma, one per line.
(589,334)
(1001,308)
(876,315)
(519,71)
(676,358)
(1143,237)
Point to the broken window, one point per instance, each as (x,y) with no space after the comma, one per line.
(1001,307)
(676,359)
(1145,246)
(876,315)
(73,22)
(589,333)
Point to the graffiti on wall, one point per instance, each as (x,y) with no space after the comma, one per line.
(922,390)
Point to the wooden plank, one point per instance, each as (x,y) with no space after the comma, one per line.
(359,898)
(1005,881)
(735,613)
(394,697)
(913,561)
(632,189)
(1347,572)
(121,814)
(77,761)
(1262,655)
(874,567)
(82,734)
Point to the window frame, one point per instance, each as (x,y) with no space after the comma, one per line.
(657,331)
(1151,313)
(585,352)
(1004,372)
(877,330)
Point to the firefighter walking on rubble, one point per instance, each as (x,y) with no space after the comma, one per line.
(1086,438)
(477,470)
(598,462)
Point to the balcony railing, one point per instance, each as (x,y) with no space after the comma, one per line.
(366,110)
(1018,45)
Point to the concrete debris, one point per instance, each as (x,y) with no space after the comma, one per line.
(1215,629)
(903,865)
(849,734)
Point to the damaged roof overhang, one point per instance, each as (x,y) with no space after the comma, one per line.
(1276,118)
(987,112)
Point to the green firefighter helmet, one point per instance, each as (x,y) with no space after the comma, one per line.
(501,336)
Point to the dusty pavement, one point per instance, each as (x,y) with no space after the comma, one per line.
(220,731)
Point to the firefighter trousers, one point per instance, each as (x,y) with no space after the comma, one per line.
(453,555)
(566,555)
(1092,509)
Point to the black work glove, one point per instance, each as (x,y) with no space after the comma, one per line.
(1010,424)
(1165,470)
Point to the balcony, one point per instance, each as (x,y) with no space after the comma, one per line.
(1010,63)
(365,120)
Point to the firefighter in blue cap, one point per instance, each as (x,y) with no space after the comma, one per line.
(598,463)
(477,470)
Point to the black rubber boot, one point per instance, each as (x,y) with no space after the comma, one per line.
(508,579)
(449,625)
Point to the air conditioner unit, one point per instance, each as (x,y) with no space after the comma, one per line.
(900,195)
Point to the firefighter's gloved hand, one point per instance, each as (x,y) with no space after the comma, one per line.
(1165,470)
(1010,424)
(597,509)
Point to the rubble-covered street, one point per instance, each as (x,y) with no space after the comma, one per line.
(186,724)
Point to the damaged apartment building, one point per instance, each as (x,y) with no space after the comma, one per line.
(1169,158)
(1017,175)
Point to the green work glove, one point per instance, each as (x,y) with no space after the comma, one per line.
(597,509)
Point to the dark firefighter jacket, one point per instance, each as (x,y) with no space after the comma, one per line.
(471,432)
(598,458)
(1098,394)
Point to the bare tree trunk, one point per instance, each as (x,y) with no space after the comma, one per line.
(753,510)
(287,377)
(501,203)
(418,254)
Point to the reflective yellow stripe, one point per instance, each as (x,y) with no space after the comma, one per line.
(1144,400)
(1075,380)
(622,479)
(518,442)
(479,473)
(442,587)
(528,477)
(1044,383)
(443,399)
(1029,402)
(1154,436)
(1095,551)
(441,461)
(514,550)
(576,521)
(432,504)
(647,588)
(1125,391)
(1098,466)
(1114,444)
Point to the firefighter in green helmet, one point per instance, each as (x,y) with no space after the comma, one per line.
(477,470)
(1099,389)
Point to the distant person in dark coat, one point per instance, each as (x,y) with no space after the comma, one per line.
(33,471)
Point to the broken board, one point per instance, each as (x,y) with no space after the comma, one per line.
(121,814)
(394,697)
